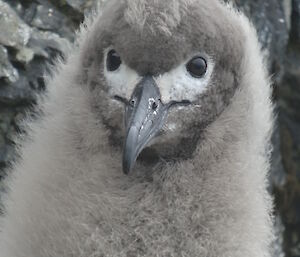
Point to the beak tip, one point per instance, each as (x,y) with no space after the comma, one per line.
(126,167)
(126,170)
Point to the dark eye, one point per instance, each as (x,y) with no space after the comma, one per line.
(197,67)
(113,61)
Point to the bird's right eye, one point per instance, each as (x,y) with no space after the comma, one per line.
(113,61)
(197,67)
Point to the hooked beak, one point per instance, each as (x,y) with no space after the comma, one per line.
(144,117)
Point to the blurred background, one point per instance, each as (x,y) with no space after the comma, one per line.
(34,32)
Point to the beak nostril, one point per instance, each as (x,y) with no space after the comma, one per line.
(154,106)
(120,99)
(132,102)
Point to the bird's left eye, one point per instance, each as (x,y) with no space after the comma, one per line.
(113,61)
(197,67)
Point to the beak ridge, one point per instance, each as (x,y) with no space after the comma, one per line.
(144,116)
(129,154)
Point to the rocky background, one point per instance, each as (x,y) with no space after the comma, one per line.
(34,32)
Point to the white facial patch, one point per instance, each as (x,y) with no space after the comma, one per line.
(178,84)
(121,81)
(175,85)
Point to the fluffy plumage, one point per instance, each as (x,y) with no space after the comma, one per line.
(198,190)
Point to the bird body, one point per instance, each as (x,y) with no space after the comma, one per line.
(200,195)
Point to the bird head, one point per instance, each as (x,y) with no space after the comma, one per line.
(159,72)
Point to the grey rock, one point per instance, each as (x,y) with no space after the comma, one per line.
(277,250)
(27,14)
(16,6)
(288,196)
(6,119)
(7,71)
(85,6)
(277,175)
(13,31)
(47,18)
(278,180)
(269,18)
(295,32)
(25,55)
(17,93)
(40,41)
(289,90)
(2,141)
(287,7)
(81,5)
